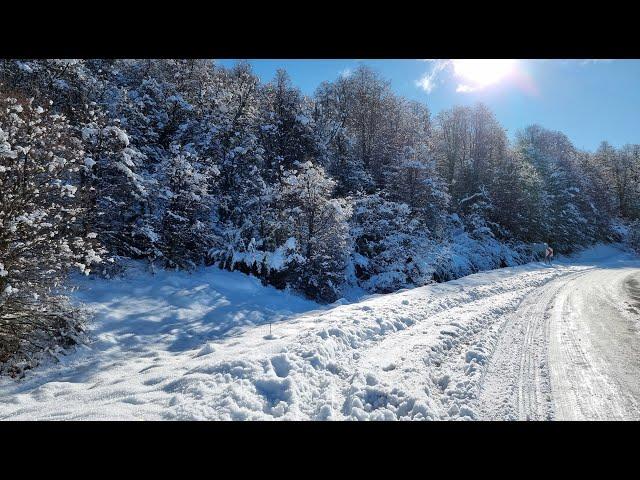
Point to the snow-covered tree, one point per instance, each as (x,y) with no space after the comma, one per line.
(285,130)
(41,232)
(336,145)
(186,232)
(319,226)
(391,245)
(562,204)
(413,180)
(634,235)
(116,194)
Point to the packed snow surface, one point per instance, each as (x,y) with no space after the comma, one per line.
(527,342)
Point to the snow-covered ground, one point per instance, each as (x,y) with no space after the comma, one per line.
(570,352)
(524,342)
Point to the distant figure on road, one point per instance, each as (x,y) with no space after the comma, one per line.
(548,255)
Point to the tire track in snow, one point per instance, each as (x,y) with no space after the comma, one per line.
(569,352)
(516,382)
(595,349)
(445,355)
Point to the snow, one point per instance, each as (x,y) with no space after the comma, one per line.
(570,351)
(25,67)
(600,330)
(273,261)
(199,346)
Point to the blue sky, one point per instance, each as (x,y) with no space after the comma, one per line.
(588,100)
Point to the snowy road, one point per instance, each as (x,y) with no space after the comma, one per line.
(595,347)
(528,342)
(571,351)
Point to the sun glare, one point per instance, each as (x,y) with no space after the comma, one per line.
(480,73)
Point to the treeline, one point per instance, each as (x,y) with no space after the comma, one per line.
(185,163)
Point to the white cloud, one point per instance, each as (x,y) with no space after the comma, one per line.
(426,83)
(429,80)
(461,88)
(346,72)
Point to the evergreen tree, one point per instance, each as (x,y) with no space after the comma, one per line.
(186,232)
(319,226)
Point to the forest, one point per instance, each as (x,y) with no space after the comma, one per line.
(184,163)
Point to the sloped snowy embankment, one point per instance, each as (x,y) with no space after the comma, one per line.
(180,346)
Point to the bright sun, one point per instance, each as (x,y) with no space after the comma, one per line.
(479,73)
